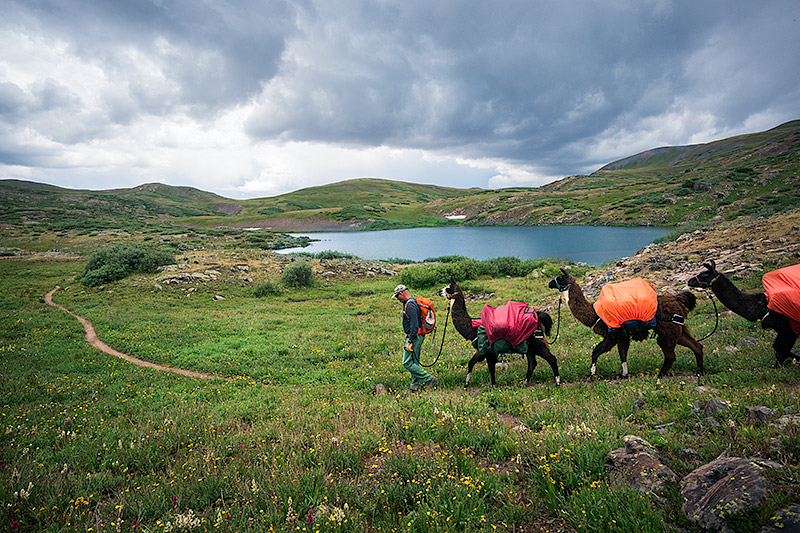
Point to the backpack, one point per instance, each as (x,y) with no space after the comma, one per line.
(428,315)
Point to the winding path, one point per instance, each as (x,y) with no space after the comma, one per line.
(91,337)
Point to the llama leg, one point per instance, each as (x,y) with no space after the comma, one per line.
(690,342)
(491,360)
(543,350)
(475,359)
(785,339)
(783,345)
(622,346)
(605,345)
(531,355)
(668,347)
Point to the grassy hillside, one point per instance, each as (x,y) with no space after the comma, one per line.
(298,439)
(364,203)
(756,174)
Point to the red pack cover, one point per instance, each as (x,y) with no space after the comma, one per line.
(634,299)
(512,321)
(783,291)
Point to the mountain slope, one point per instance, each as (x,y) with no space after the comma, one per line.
(56,208)
(756,174)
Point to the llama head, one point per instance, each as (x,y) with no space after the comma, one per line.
(704,279)
(562,281)
(450,291)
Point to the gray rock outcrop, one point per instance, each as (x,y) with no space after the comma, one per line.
(724,488)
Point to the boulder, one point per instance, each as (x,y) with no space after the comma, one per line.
(709,423)
(639,465)
(786,520)
(747,341)
(788,420)
(722,489)
(717,405)
(759,414)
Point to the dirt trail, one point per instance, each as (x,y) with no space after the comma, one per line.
(91,337)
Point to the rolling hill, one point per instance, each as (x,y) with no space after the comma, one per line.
(755,174)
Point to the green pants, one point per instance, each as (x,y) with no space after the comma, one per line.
(411,363)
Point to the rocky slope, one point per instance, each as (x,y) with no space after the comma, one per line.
(741,247)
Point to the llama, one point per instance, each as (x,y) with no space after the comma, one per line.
(537,345)
(752,307)
(669,331)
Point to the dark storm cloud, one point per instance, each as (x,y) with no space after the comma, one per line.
(541,89)
(216,53)
(521,80)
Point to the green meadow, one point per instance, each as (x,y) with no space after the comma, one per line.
(295,439)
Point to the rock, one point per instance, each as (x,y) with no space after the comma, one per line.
(747,341)
(788,420)
(639,465)
(696,407)
(759,414)
(158,287)
(722,489)
(218,297)
(703,389)
(717,405)
(709,423)
(786,520)
(663,428)
(690,453)
(380,389)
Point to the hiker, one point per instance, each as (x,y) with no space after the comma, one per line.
(412,323)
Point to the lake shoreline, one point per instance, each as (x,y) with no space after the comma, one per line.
(593,245)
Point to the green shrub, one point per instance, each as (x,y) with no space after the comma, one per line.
(267,288)
(446,259)
(116,262)
(331,254)
(298,274)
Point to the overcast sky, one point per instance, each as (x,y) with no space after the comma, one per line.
(253,98)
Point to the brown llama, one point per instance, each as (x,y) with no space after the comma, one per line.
(537,342)
(752,307)
(669,329)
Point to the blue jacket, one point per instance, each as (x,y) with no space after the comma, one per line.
(412,318)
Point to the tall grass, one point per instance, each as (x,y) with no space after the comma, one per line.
(298,441)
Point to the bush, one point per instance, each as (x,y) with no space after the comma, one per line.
(117,262)
(331,254)
(298,274)
(463,269)
(268,288)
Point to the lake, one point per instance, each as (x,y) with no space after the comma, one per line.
(594,245)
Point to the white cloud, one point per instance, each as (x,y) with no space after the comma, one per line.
(267,96)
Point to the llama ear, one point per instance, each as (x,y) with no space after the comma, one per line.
(710,265)
(452,280)
(564,270)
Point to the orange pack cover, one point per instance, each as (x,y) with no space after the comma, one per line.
(783,291)
(629,300)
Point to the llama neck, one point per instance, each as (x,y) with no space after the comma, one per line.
(749,306)
(580,307)
(461,319)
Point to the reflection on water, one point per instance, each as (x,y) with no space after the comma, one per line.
(595,245)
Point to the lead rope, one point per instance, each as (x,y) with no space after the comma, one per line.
(558,322)
(716,315)
(434,340)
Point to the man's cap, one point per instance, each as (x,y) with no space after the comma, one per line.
(397,290)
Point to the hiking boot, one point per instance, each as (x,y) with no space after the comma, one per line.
(431,384)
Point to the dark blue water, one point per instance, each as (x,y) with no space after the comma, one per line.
(594,245)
